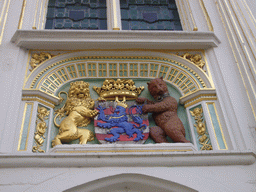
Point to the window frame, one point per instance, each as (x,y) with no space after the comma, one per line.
(36,19)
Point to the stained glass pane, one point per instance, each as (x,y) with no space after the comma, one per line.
(149,15)
(76,14)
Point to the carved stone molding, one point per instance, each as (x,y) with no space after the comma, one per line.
(37,95)
(110,159)
(101,39)
(197,96)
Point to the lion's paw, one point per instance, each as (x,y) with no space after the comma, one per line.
(139,137)
(112,139)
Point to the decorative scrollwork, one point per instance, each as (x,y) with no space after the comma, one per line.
(200,126)
(37,59)
(196,59)
(41,127)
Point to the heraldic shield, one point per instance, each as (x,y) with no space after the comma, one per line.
(120,121)
(121,124)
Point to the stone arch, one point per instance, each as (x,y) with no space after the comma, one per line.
(143,179)
(179,72)
(131,182)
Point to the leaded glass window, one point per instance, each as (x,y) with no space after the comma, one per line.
(149,15)
(76,14)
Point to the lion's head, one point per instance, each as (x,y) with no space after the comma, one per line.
(79,89)
(78,95)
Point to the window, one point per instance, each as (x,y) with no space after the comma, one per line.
(76,14)
(132,15)
(149,15)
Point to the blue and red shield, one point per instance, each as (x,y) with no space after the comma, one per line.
(121,123)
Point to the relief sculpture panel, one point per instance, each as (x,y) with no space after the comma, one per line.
(120,115)
(79,110)
(164,113)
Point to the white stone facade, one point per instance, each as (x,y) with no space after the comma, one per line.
(222,31)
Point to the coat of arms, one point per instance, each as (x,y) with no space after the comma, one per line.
(120,121)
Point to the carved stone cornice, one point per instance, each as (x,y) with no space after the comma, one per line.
(38,95)
(74,156)
(101,39)
(197,96)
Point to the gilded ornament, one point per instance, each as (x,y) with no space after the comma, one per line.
(37,59)
(120,88)
(79,111)
(196,59)
(107,57)
(200,126)
(41,127)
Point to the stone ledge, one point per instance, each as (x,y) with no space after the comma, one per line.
(119,149)
(194,95)
(164,159)
(31,93)
(101,39)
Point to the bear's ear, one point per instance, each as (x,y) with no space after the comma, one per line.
(148,83)
(161,77)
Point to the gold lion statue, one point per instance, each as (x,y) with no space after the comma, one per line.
(79,110)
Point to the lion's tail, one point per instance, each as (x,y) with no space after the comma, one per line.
(55,123)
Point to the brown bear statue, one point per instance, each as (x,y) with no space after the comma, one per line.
(164,112)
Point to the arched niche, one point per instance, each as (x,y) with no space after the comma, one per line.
(191,85)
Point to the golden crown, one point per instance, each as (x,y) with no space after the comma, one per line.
(118,89)
(121,103)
